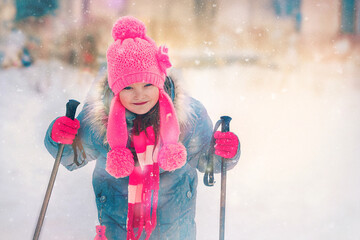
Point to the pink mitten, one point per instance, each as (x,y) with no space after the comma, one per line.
(64,130)
(226,144)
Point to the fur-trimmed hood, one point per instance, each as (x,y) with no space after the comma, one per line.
(98,104)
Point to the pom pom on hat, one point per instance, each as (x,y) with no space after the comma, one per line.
(128,27)
(172,156)
(120,162)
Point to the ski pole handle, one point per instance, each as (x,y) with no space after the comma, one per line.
(225,126)
(70,113)
(71,108)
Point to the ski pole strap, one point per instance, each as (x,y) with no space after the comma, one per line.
(77,144)
(70,113)
(209,171)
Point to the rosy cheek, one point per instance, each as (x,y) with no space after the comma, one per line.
(157,94)
(124,99)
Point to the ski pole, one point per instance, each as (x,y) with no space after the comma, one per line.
(70,113)
(225,127)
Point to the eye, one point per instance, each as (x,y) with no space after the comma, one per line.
(127,88)
(148,85)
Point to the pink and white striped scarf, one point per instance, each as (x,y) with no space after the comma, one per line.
(143,186)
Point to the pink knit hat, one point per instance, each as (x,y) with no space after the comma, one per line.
(132,58)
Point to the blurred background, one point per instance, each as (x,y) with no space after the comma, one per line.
(286,71)
(213,32)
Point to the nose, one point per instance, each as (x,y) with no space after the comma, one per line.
(138,93)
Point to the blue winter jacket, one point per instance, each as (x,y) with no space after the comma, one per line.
(177,194)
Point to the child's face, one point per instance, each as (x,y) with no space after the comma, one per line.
(139,98)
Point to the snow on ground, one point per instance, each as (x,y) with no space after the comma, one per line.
(298,177)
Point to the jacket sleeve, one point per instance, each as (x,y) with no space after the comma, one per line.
(85,135)
(198,143)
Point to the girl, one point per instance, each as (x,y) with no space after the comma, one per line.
(147,137)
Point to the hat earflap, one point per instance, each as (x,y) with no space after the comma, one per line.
(172,154)
(120,160)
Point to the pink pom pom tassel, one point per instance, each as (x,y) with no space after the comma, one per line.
(120,162)
(172,156)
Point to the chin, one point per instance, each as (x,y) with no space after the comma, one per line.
(140,111)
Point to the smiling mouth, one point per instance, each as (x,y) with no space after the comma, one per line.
(141,103)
